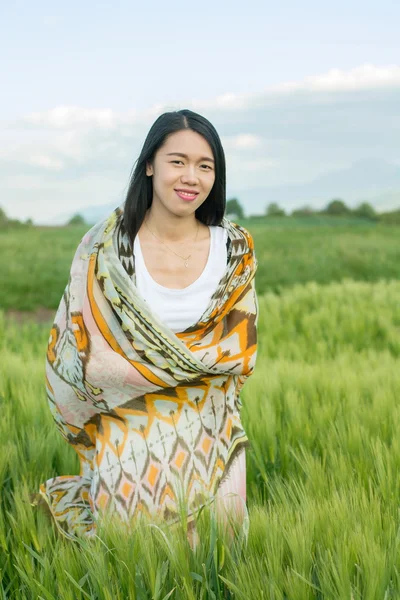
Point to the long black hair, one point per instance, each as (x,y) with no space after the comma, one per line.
(140,192)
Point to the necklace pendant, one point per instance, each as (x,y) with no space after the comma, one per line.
(186,263)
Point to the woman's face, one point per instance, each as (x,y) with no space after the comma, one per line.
(184,162)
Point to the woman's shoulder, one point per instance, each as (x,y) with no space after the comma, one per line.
(238,230)
(219,231)
(87,241)
(97,230)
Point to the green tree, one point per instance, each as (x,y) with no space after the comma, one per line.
(3,219)
(390,218)
(366,211)
(273,210)
(336,207)
(303,211)
(234,208)
(77,219)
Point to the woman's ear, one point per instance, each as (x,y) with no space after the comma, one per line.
(149,169)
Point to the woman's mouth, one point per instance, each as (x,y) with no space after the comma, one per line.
(186,195)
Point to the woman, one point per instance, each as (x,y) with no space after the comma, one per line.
(154,337)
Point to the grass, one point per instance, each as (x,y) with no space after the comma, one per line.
(322,415)
(289,251)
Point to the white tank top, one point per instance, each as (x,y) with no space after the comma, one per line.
(180,308)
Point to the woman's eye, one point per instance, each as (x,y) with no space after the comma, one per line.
(181,161)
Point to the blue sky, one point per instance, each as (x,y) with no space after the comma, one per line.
(84,82)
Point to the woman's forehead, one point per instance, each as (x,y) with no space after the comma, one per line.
(188,142)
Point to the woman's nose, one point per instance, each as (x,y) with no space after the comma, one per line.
(189,176)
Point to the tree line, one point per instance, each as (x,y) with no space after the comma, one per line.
(6,222)
(234,209)
(335,207)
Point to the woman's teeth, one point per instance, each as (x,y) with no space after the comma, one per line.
(186,195)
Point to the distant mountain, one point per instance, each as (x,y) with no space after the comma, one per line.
(373,181)
(93,214)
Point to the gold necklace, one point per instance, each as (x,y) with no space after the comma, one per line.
(183,258)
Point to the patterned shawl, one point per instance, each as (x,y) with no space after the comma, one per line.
(146,409)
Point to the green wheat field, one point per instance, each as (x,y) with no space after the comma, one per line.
(321,411)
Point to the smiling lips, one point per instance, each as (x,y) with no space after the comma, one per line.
(186,194)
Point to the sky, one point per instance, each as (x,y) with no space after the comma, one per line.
(295,90)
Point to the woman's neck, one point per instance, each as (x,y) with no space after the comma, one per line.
(168,227)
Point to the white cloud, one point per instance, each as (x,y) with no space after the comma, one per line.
(262,164)
(287,134)
(45,199)
(247,141)
(78,118)
(72,116)
(365,77)
(46,162)
(228,101)
(242,141)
